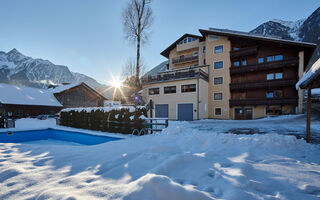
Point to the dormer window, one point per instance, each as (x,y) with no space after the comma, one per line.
(187,40)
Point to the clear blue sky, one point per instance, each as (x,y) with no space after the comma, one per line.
(87,35)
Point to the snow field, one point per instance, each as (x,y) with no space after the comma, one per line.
(180,163)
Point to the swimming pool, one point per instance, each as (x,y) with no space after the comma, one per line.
(53,135)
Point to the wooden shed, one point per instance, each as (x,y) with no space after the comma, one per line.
(78,95)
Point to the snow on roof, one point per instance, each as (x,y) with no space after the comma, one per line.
(13,94)
(313,72)
(62,88)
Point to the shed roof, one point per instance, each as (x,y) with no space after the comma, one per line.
(21,95)
(313,74)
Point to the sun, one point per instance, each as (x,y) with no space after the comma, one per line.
(116,82)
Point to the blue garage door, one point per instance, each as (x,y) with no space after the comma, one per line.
(185,112)
(162,110)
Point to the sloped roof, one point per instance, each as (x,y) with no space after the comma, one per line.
(311,75)
(240,34)
(62,88)
(21,95)
(166,52)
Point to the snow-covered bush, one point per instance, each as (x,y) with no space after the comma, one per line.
(110,119)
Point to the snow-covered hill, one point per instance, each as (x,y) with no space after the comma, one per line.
(305,30)
(16,68)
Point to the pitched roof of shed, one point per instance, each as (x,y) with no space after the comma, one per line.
(21,95)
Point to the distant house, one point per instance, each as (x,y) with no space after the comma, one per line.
(77,95)
(20,101)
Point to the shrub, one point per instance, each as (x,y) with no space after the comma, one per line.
(116,120)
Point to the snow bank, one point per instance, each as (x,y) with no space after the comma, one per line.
(157,187)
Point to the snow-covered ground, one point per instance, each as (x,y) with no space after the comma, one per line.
(186,161)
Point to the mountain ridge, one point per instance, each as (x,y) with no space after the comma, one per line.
(304,30)
(16,68)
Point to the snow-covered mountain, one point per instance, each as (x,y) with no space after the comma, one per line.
(305,30)
(16,68)
(162,67)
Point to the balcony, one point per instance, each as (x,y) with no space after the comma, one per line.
(184,59)
(291,62)
(178,74)
(265,101)
(249,51)
(263,84)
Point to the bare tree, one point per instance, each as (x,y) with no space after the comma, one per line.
(129,69)
(137,20)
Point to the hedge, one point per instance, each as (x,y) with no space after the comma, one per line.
(116,120)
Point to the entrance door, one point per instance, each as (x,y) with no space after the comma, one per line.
(185,112)
(243,113)
(238,114)
(162,110)
(248,113)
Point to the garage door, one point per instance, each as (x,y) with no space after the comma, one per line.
(162,110)
(185,112)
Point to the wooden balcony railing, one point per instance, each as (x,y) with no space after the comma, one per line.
(244,52)
(183,59)
(179,74)
(263,84)
(290,62)
(265,101)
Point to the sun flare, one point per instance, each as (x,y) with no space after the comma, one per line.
(116,82)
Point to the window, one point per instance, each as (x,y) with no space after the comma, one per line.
(270,94)
(274,110)
(278,93)
(270,76)
(185,40)
(213,37)
(244,63)
(260,60)
(236,48)
(204,49)
(170,89)
(236,64)
(195,53)
(182,57)
(204,61)
(275,94)
(218,49)
(218,65)
(279,76)
(217,80)
(270,58)
(188,88)
(279,57)
(153,91)
(217,96)
(217,111)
